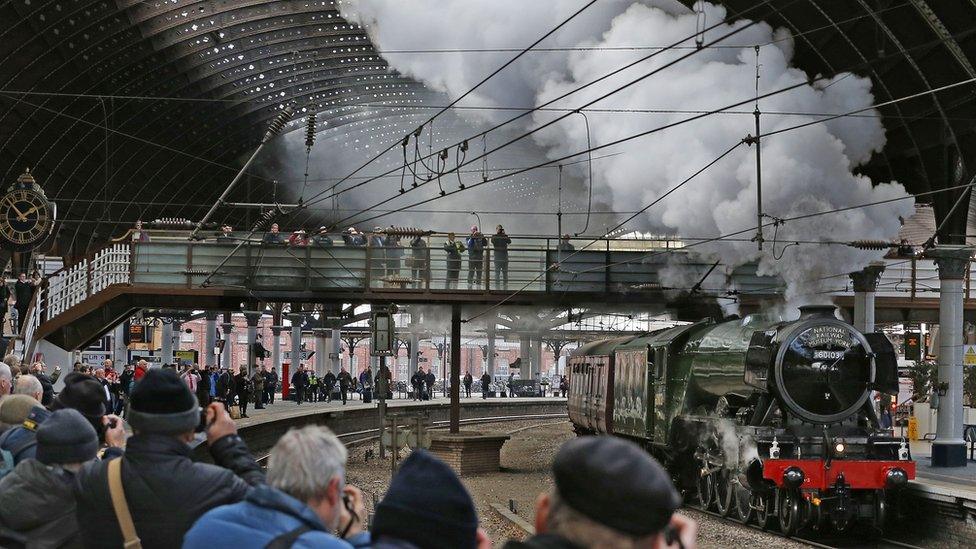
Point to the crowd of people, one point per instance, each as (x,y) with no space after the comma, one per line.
(389,254)
(79,479)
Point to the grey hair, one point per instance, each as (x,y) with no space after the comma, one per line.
(5,371)
(28,385)
(304,461)
(12,360)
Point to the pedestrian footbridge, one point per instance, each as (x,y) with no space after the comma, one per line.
(81,302)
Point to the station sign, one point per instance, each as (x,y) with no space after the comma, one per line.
(137,333)
(303,355)
(383,336)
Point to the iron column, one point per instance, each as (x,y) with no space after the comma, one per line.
(210,339)
(455,368)
(949,448)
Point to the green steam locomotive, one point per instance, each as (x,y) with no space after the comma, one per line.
(769,420)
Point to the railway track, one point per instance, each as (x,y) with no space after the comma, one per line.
(355,438)
(826,543)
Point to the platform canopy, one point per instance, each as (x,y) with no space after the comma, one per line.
(193,85)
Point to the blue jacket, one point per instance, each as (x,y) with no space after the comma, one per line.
(265,514)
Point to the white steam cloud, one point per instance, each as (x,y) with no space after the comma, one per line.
(804,171)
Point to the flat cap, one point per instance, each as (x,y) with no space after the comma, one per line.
(615,483)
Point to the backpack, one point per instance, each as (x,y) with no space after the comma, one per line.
(8,457)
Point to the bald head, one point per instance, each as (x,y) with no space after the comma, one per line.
(30,386)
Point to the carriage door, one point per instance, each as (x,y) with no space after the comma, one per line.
(657,370)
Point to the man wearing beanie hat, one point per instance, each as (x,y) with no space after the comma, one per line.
(427,507)
(608,493)
(36,499)
(305,501)
(85,394)
(165,490)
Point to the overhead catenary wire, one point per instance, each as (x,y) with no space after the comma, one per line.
(703,115)
(478,85)
(575,90)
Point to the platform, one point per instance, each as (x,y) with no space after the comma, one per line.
(264,427)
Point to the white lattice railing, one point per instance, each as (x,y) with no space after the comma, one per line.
(81,281)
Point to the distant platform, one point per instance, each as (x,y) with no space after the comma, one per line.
(287,409)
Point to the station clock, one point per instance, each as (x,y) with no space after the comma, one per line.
(26,215)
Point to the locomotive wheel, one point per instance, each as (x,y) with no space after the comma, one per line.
(880,510)
(788,509)
(743,504)
(724,492)
(706,486)
(763,504)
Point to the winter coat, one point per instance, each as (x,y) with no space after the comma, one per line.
(299,379)
(203,384)
(264,515)
(345,380)
(499,244)
(48,385)
(485,382)
(166,491)
(225,385)
(468,380)
(257,382)
(476,246)
(243,385)
(430,379)
(36,501)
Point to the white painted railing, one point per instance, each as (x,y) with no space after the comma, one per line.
(74,285)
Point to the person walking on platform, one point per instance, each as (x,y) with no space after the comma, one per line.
(270,385)
(345,380)
(608,492)
(257,387)
(299,380)
(23,292)
(417,382)
(164,490)
(225,387)
(485,385)
(312,389)
(468,380)
(511,383)
(203,386)
(328,385)
(366,384)
(242,386)
(499,247)
(430,379)
(476,257)
(454,250)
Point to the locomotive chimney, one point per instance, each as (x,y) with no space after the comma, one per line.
(817,311)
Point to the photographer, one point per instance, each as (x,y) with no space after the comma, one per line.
(305,501)
(165,491)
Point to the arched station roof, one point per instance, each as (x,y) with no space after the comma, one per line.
(226,67)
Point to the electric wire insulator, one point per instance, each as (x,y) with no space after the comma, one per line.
(266,218)
(872,244)
(310,132)
(278,123)
(407,231)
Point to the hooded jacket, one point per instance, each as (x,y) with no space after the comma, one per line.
(266,514)
(36,501)
(166,491)
(542,541)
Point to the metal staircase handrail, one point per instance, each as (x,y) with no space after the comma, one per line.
(108,267)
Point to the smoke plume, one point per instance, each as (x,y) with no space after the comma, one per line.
(804,171)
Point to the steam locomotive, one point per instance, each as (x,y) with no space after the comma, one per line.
(766,420)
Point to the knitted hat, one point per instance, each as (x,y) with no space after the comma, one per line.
(162,403)
(83,393)
(427,506)
(66,437)
(14,408)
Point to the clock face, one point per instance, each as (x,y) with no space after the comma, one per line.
(25,217)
